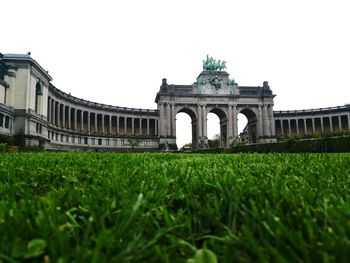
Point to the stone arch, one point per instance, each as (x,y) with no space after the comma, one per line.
(190,111)
(221,112)
(252,128)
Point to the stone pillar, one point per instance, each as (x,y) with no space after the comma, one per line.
(322,128)
(260,122)
(235,124)
(69,118)
(156,127)
(117,129)
(58,120)
(110,124)
(339,121)
(229,125)
(161,120)
(82,120)
(297,125)
(204,120)
(147,126)
(282,131)
(305,126)
(199,121)
(64,117)
(173,120)
(140,126)
(125,125)
(313,125)
(132,126)
(103,123)
(272,126)
(168,120)
(88,122)
(289,127)
(75,120)
(48,110)
(96,122)
(330,123)
(266,121)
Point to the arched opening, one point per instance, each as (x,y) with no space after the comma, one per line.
(242,122)
(250,130)
(222,125)
(186,129)
(213,130)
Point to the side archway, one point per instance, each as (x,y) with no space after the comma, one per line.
(250,132)
(192,114)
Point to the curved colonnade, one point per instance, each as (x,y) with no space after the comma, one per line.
(312,121)
(77,122)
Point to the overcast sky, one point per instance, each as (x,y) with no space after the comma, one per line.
(117,52)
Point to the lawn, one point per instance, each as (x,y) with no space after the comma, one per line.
(157,207)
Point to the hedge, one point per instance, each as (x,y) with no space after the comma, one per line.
(330,144)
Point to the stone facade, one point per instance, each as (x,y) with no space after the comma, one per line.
(46,116)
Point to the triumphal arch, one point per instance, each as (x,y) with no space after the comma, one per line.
(215,92)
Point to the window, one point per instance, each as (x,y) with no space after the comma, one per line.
(67,138)
(86,140)
(99,141)
(79,140)
(92,141)
(107,142)
(73,139)
(61,137)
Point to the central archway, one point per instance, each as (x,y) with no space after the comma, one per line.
(250,132)
(223,124)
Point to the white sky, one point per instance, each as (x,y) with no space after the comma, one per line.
(117,52)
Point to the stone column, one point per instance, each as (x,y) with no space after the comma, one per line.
(69,118)
(204,120)
(297,125)
(140,126)
(282,131)
(132,126)
(229,124)
(173,120)
(305,126)
(88,122)
(75,120)
(147,126)
(330,123)
(156,127)
(53,112)
(199,120)
(266,124)
(82,120)
(103,123)
(168,120)
(48,110)
(58,124)
(289,127)
(125,125)
(64,116)
(235,124)
(322,128)
(110,124)
(96,122)
(272,126)
(117,129)
(313,125)
(260,122)
(339,121)
(161,119)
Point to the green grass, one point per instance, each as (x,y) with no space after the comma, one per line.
(105,207)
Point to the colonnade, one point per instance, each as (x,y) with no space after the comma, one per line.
(311,124)
(97,122)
